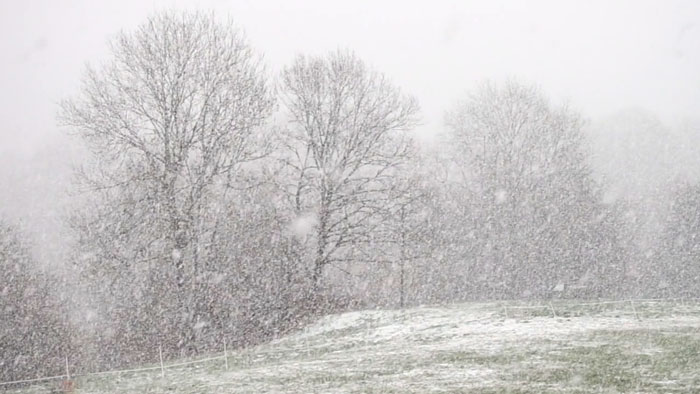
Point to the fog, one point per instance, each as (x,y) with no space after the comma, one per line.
(552,152)
(602,57)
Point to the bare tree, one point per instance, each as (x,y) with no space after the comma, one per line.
(343,147)
(533,206)
(411,228)
(169,120)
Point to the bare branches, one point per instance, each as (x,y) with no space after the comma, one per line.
(343,146)
(532,202)
(170,120)
(183,93)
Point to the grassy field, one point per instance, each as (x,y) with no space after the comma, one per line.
(645,347)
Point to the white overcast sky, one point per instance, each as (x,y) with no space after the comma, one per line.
(601,56)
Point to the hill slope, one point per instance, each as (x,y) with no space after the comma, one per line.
(646,347)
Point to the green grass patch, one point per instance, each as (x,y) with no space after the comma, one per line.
(469,348)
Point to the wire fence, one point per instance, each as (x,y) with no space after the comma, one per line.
(633,303)
(162,367)
(508,311)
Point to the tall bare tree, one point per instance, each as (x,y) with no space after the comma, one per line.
(534,208)
(169,120)
(344,144)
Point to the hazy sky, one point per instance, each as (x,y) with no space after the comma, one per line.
(602,56)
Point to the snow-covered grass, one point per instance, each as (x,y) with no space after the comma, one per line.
(644,347)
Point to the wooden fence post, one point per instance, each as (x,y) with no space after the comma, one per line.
(225,354)
(634,310)
(160,354)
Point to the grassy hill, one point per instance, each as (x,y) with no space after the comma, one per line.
(645,347)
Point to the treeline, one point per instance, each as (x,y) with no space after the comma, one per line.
(35,334)
(217,203)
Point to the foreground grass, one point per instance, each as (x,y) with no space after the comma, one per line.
(475,348)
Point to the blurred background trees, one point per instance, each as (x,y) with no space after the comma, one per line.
(535,222)
(35,326)
(674,270)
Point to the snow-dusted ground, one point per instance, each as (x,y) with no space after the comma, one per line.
(651,347)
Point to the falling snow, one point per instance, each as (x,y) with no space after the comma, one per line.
(235,222)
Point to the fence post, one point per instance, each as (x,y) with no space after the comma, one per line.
(67,370)
(505,310)
(634,310)
(554,314)
(225,354)
(160,354)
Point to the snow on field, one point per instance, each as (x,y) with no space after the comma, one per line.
(463,348)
